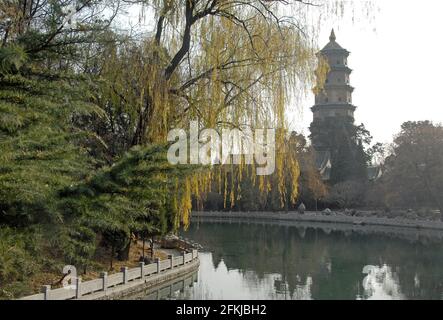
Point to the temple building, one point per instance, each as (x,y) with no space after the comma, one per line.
(333,102)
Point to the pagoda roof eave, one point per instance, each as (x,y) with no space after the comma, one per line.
(333,106)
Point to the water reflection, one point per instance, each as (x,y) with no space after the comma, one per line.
(219,282)
(177,288)
(380,284)
(260,261)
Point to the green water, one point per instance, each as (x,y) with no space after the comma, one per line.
(261,261)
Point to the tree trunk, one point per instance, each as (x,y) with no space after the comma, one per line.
(123,254)
(143,249)
(434,197)
(112,257)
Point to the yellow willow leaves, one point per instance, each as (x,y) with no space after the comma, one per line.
(219,181)
(175,206)
(197,185)
(186,204)
(232,197)
(249,73)
(280,179)
(261,184)
(249,84)
(321,73)
(225,191)
(193,186)
(258,68)
(294,172)
(284,180)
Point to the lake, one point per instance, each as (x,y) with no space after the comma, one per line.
(265,261)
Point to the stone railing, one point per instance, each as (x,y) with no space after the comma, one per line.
(114,280)
(166,290)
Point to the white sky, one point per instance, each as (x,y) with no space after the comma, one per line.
(398,66)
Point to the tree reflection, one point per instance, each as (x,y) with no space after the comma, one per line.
(312,263)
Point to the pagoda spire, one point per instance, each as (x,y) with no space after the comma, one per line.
(332,36)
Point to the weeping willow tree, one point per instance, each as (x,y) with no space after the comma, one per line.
(226,64)
(221,62)
(240,188)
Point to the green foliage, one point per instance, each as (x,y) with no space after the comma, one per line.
(136,195)
(136,189)
(346,143)
(14,250)
(347,194)
(52,31)
(412,173)
(77,244)
(49,179)
(12,58)
(41,152)
(19,259)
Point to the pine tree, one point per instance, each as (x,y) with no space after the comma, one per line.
(345,141)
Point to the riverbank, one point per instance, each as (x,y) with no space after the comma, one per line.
(128,281)
(166,290)
(318,217)
(140,286)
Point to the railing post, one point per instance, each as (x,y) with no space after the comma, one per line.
(184,257)
(142,270)
(125,274)
(171,259)
(104,276)
(157,260)
(46,290)
(78,287)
